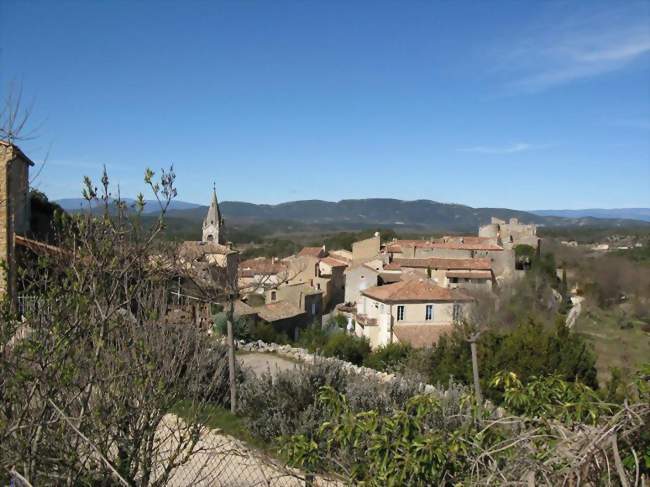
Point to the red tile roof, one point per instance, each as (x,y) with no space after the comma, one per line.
(461,243)
(252,267)
(279,310)
(333,262)
(414,289)
(312,252)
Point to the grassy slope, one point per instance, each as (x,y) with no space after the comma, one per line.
(626,349)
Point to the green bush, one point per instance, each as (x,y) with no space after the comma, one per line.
(347,347)
(287,403)
(337,321)
(267,333)
(313,338)
(391,357)
(242,328)
(530,350)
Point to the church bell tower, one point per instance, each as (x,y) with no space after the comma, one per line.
(213,222)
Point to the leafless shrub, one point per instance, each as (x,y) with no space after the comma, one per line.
(89,376)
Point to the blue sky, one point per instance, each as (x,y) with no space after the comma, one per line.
(511,104)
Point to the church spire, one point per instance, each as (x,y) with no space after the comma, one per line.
(213,222)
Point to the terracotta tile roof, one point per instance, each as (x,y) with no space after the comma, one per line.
(374,265)
(440,263)
(470,274)
(195,250)
(279,310)
(466,243)
(250,267)
(363,320)
(396,245)
(414,289)
(393,266)
(243,309)
(450,242)
(312,252)
(344,255)
(420,336)
(333,262)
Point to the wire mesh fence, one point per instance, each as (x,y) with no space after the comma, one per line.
(216,460)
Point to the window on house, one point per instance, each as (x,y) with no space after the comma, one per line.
(318,286)
(428,314)
(273,295)
(457,312)
(400,313)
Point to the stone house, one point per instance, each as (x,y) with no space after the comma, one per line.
(361,277)
(466,273)
(14,210)
(301,296)
(261,273)
(366,250)
(414,311)
(320,271)
(284,316)
(457,247)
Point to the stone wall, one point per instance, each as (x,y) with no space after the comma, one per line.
(302,355)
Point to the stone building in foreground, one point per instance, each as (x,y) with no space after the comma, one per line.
(14,210)
(414,311)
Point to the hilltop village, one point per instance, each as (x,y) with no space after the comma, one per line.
(406,291)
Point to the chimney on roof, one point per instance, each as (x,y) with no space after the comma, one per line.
(462,240)
(376,234)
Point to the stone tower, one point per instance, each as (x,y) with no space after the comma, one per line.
(213,222)
(14,210)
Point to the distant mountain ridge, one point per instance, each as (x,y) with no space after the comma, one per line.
(642,214)
(151,206)
(363,213)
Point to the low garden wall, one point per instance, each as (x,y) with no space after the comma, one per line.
(302,355)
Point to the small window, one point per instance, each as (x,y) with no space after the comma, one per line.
(318,286)
(400,313)
(457,312)
(428,314)
(273,295)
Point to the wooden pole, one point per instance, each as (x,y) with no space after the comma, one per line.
(477,384)
(231,355)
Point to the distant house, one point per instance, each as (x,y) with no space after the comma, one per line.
(301,296)
(284,316)
(457,247)
(414,311)
(314,267)
(361,277)
(467,273)
(259,274)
